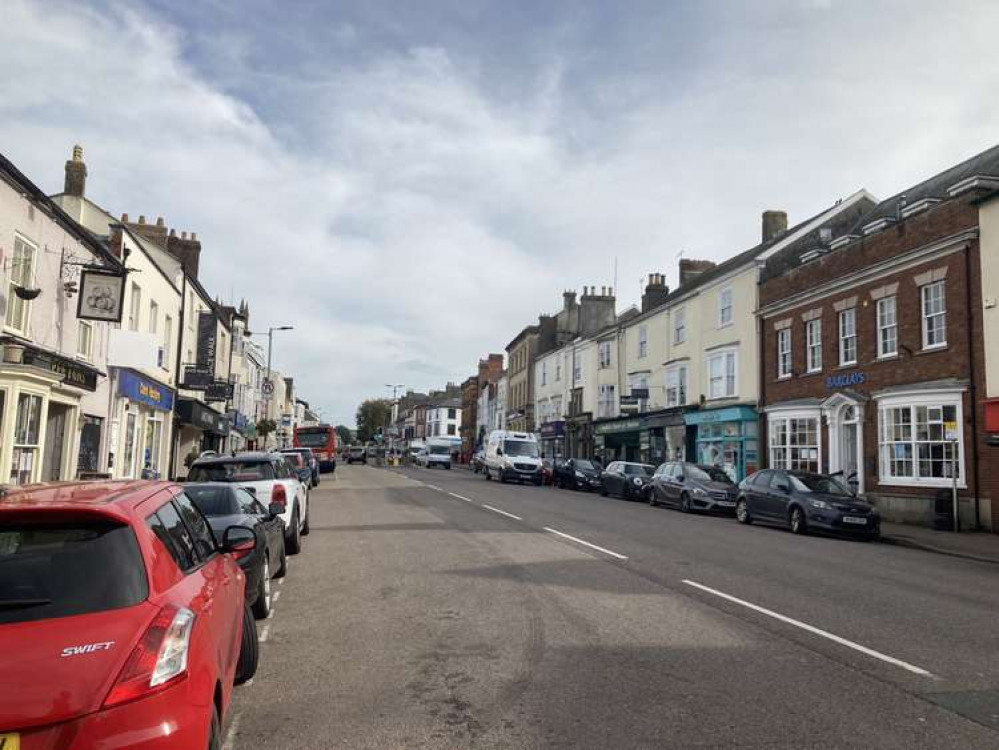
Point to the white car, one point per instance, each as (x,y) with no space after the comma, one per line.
(271,479)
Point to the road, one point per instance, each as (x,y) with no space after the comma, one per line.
(434,609)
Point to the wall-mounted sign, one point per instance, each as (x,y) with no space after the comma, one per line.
(950,431)
(101,296)
(552,430)
(196,379)
(207,334)
(218,391)
(846,379)
(73,373)
(143,391)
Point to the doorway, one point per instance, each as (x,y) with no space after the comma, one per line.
(846,442)
(55,442)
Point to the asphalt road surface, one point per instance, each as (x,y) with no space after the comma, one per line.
(435,609)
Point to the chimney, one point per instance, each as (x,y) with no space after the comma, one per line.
(76,174)
(186,250)
(568,299)
(774,224)
(596,311)
(124,218)
(691,269)
(655,292)
(142,219)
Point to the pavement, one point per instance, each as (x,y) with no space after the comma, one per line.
(971,545)
(435,609)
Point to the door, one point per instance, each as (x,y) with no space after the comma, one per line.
(128,457)
(777,496)
(757,493)
(55,442)
(90,445)
(850,448)
(612,478)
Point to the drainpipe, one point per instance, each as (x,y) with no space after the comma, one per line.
(762,439)
(973,392)
(175,437)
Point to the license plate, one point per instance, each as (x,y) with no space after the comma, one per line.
(725,504)
(855,519)
(10,742)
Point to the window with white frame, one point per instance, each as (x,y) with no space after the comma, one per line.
(680,325)
(154,317)
(556,407)
(721,374)
(934,301)
(577,368)
(848,336)
(167,341)
(84,339)
(27,425)
(640,382)
(134,308)
(22,271)
(604,352)
(544,372)
(921,440)
(558,368)
(813,342)
(643,341)
(887,327)
(784,353)
(676,385)
(725,307)
(606,403)
(795,442)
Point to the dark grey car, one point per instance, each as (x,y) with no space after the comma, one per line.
(802,502)
(693,487)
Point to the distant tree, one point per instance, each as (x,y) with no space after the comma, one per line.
(372,415)
(265,427)
(344,435)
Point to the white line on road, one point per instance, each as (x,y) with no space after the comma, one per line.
(433,487)
(501,512)
(265,633)
(812,629)
(601,549)
(461,497)
(277,595)
(230,736)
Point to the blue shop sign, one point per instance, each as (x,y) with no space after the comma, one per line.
(845,380)
(143,391)
(728,414)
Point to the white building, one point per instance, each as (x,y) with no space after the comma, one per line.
(444,419)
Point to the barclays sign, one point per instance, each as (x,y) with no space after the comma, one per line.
(845,380)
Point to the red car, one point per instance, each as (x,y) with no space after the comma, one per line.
(122,621)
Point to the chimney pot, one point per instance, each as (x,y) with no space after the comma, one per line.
(183,235)
(194,236)
(124,218)
(142,218)
(173,232)
(159,221)
(78,152)
(774,224)
(75,182)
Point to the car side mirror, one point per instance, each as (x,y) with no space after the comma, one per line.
(275,509)
(239,539)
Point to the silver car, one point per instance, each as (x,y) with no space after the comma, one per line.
(693,487)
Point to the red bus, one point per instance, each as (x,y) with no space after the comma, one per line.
(322,440)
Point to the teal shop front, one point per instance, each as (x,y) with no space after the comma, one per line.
(727,437)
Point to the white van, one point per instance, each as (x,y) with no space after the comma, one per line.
(436,453)
(513,456)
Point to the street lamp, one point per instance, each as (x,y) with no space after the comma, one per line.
(270,350)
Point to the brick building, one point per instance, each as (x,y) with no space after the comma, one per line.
(489,371)
(872,352)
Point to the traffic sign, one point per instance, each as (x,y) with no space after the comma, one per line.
(268,388)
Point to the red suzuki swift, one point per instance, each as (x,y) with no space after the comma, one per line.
(122,621)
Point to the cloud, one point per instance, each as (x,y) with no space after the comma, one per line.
(409,192)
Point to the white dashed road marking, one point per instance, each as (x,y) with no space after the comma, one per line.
(230,736)
(502,512)
(588,544)
(461,497)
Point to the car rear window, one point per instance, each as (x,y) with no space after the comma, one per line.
(60,570)
(232,471)
(213,501)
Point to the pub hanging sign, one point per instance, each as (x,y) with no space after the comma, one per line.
(102,296)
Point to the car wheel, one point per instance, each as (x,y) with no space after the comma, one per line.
(502,479)
(305,526)
(293,543)
(797,522)
(652,498)
(742,511)
(603,490)
(262,606)
(685,503)
(249,649)
(215,732)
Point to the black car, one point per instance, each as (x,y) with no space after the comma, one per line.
(624,479)
(805,502)
(226,505)
(311,461)
(693,487)
(576,474)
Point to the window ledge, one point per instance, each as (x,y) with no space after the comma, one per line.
(934,484)
(811,374)
(932,349)
(846,366)
(725,325)
(886,358)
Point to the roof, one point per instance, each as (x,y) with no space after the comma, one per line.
(527,331)
(126,493)
(229,458)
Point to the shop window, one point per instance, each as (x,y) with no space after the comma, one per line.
(676,385)
(722,374)
(887,327)
(680,325)
(22,272)
(84,339)
(813,336)
(129,457)
(934,303)
(921,443)
(26,429)
(848,337)
(606,404)
(794,443)
(784,353)
(151,449)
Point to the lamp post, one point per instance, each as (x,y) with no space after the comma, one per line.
(270,350)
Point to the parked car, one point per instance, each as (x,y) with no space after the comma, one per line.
(691,487)
(357,454)
(625,479)
(311,461)
(547,470)
(119,613)
(805,502)
(226,505)
(576,474)
(270,479)
(299,467)
(513,456)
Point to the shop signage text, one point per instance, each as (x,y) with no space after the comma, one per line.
(143,391)
(207,331)
(846,379)
(72,372)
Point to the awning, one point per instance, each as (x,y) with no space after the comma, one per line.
(196,414)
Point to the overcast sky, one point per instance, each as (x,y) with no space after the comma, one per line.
(410,183)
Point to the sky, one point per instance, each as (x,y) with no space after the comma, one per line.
(409,184)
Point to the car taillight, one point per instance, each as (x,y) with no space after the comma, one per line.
(278,495)
(158,659)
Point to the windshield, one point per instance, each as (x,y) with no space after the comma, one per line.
(707,474)
(817,483)
(313,439)
(68,569)
(440,450)
(232,471)
(581,463)
(638,470)
(520,448)
(213,501)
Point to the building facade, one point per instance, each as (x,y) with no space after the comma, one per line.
(520,374)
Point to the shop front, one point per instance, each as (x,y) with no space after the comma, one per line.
(553,439)
(141,426)
(650,438)
(726,437)
(44,398)
(200,428)
(579,437)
